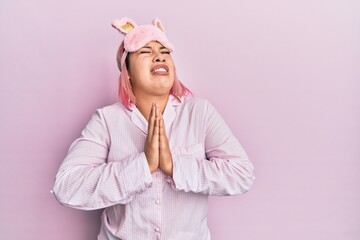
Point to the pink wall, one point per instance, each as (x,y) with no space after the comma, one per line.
(284,74)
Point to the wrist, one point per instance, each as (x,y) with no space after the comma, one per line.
(153,168)
(167,168)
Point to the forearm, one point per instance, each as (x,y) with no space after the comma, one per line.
(222,175)
(218,165)
(90,183)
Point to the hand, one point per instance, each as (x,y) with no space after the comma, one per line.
(151,147)
(165,158)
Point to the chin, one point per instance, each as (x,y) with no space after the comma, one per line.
(161,91)
(165,85)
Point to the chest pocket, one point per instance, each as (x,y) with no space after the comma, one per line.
(195,150)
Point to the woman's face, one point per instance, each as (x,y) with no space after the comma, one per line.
(151,70)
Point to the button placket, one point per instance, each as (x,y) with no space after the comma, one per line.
(158,201)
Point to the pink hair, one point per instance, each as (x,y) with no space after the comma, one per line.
(126,95)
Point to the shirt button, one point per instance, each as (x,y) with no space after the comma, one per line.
(157,201)
(157,229)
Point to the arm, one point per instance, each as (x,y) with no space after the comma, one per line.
(226,169)
(85,180)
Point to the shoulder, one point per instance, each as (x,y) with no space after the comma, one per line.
(115,107)
(111,112)
(197,103)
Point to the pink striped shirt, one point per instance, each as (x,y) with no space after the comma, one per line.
(106,168)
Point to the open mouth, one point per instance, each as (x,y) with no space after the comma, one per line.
(160,69)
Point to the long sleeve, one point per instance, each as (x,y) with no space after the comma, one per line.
(226,170)
(86,180)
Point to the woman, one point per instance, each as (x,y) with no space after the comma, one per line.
(153,158)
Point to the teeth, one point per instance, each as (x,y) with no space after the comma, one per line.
(160,70)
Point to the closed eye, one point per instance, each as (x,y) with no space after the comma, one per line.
(144,52)
(167,52)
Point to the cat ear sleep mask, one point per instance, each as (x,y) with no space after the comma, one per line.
(137,36)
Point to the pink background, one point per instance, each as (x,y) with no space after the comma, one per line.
(285,75)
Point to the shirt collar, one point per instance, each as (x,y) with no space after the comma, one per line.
(169,114)
(175,101)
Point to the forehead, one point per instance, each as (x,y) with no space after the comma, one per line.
(154,44)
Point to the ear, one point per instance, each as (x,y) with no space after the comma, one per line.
(124,25)
(158,24)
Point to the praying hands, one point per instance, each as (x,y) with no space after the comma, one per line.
(157,148)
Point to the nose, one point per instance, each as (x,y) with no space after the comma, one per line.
(159,58)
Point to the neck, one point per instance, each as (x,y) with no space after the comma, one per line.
(144,104)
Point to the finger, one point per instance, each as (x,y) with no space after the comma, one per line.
(151,121)
(157,110)
(161,122)
(151,111)
(155,136)
(156,129)
(162,127)
(163,137)
(160,114)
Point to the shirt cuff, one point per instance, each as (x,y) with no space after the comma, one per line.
(185,173)
(137,175)
(170,180)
